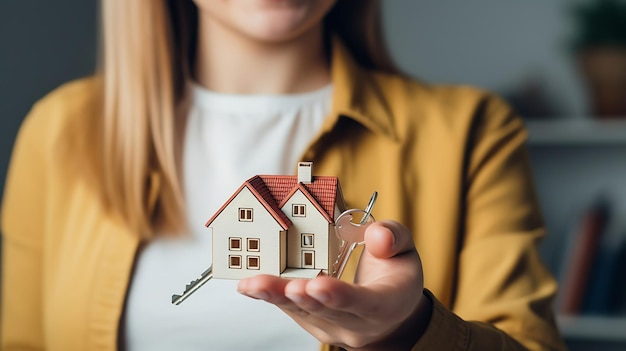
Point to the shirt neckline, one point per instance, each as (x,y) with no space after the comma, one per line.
(213,101)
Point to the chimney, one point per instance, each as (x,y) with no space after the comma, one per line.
(305,172)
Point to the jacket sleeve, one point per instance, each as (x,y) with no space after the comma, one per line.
(503,294)
(22,223)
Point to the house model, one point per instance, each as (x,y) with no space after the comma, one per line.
(279,225)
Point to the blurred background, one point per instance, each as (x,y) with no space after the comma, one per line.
(560,63)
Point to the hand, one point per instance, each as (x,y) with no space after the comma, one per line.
(385,309)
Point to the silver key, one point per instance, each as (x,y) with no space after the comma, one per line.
(351,234)
(193,286)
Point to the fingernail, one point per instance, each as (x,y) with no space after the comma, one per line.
(295,298)
(320,296)
(259,295)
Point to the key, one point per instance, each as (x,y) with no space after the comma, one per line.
(193,286)
(351,234)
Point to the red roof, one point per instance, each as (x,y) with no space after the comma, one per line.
(273,191)
(322,192)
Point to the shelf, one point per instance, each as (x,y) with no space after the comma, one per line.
(611,329)
(584,132)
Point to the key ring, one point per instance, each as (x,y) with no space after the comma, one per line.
(351,232)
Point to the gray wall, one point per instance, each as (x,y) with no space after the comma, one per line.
(494,44)
(43,43)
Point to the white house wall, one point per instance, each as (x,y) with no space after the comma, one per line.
(333,245)
(263,227)
(283,250)
(313,223)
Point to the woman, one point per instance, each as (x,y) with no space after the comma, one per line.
(112,178)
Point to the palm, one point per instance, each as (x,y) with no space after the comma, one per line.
(387,293)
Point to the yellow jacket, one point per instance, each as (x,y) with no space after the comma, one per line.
(448,162)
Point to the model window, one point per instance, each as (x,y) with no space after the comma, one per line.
(254,244)
(245,215)
(307,240)
(234,261)
(234,244)
(299,210)
(254,262)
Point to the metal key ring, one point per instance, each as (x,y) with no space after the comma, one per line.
(349,231)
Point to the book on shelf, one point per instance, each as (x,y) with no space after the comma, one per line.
(604,274)
(593,277)
(617,290)
(579,256)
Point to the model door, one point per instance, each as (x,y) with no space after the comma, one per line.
(308,259)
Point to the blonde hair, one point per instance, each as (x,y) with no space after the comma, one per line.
(148,53)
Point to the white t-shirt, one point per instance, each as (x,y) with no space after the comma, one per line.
(229,139)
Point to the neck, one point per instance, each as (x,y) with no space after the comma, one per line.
(229,62)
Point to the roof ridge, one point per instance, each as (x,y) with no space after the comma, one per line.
(272,206)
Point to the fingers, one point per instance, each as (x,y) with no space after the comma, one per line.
(324,297)
(390,268)
(386,239)
(293,298)
(306,304)
(264,287)
(306,296)
(338,295)
(389,287)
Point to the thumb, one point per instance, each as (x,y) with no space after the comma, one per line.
(386,239)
